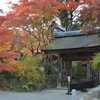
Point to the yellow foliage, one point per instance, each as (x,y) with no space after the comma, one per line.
(29,69)
(28,72)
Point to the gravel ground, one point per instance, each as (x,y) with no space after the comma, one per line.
(52,94)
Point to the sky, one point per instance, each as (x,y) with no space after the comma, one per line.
(4,6)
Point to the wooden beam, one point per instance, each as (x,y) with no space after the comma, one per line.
(65,72)
(59,71)
(44,62)
(75,57)
(88,69)
(93,49)
(70,69)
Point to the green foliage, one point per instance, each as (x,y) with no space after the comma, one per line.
(48,67)
(96,61)
(9,83)
(1,78)
(16,88)
(51,75)
(8,73)
(30,83)
(79,72)
(64,18)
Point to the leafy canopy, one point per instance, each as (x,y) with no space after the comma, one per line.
(90,15)
(7,57)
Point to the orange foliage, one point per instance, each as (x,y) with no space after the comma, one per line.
(91,14)
(32,18)
(71,5)
(6,57)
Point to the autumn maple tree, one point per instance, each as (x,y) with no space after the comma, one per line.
(7,57)
(30,18)
(69,12)
(29,21)
(25,29)
(90,15)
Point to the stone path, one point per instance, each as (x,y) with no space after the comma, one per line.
(53,94)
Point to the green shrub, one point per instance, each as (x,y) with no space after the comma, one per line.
(78,72)
(47,67)
(96,61)
(1,78)
(30,84)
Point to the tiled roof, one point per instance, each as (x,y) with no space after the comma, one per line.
(68,34)
(74,42)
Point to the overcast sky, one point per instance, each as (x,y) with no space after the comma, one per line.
(4,6)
